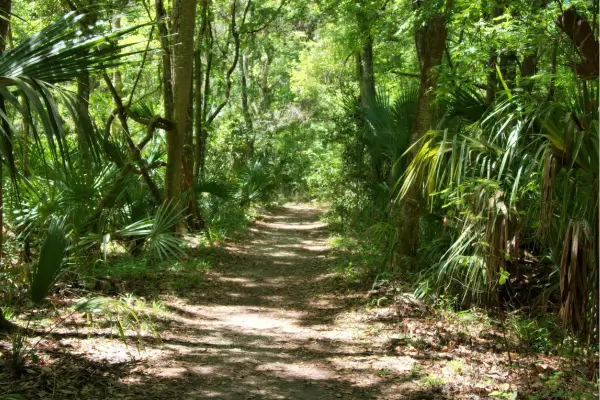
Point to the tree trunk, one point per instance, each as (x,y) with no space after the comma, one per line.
(430,41)
(528,68)
(202,132)
(244,82)
(553,57)
(198,123)
(188,147)
(366,84)
(167,67)
(183,29)
(366,75)
(249,134)
(492,75)
(202,79)
(264,81)
(199,109)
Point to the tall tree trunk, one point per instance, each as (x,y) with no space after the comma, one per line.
(202,85)
(492,75)
(249,134)
(430,41)
(553,58)
(528,68)
(167,59)
(188,147)
(366,74)
(184,16)
(366,84)
(202,133)
(244,82)
(198,123)
(265,60)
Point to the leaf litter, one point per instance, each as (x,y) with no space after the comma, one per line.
(270,321)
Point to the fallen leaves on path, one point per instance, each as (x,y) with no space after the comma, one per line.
(270,321)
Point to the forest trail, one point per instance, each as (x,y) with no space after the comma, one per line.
(267,321)
(267,326)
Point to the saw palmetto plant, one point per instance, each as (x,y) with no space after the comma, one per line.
(499,181)
(60,164)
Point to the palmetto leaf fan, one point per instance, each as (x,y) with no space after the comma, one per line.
(29,75)
(31,71)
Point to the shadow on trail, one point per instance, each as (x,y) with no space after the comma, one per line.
(192,380)
(264,324)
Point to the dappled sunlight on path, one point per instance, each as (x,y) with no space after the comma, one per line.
(267,325)
(265,322)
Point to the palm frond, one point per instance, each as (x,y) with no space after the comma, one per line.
(62,51)
(219,189)
(52,256)
(163,240)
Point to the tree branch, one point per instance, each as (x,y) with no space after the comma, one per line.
(139,75)
(135,151)
(270,20)
(236,40)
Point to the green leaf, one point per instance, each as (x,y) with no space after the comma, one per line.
(504,275)
(52,256)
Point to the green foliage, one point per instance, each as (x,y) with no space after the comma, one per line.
(21,351)
(46,271)
(431,382)
(357,261)
(507,220)
(504,395)
(478,180)
(163,241)
(126,313)
(218,189)
(538,335)
(555,387)
(61,51)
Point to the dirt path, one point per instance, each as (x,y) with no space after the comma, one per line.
(265,322)
(266,328)
(268,322)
